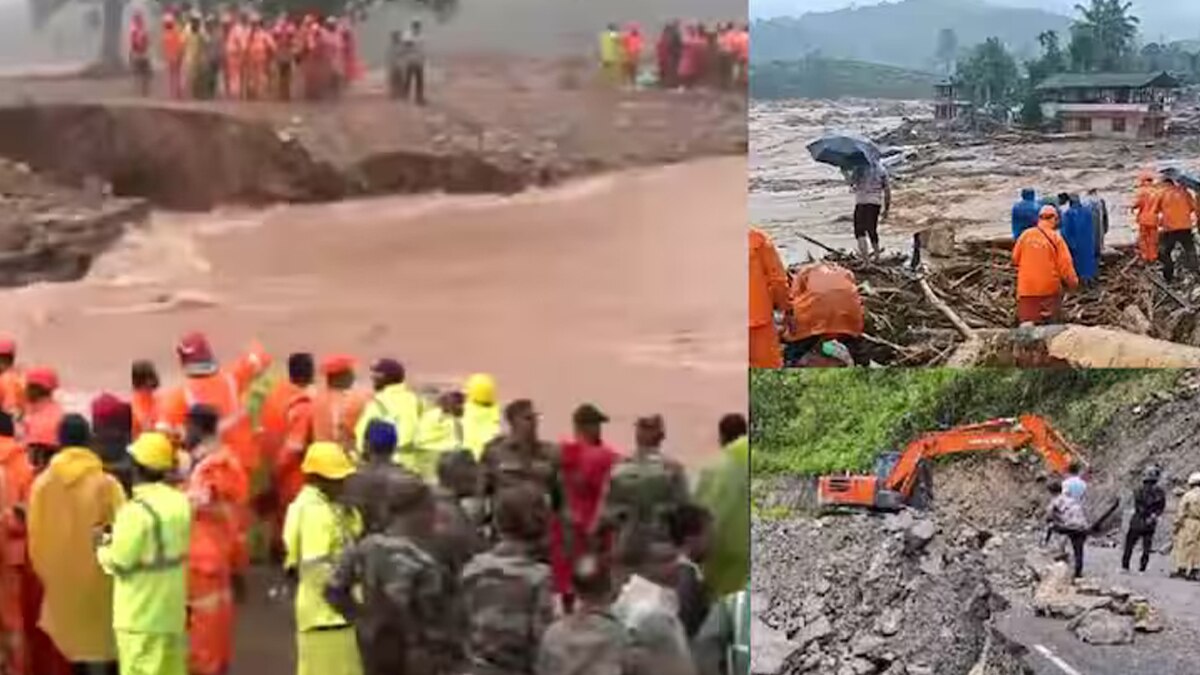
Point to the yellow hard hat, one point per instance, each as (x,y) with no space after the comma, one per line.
(327,460)
(154,451)
(481,389)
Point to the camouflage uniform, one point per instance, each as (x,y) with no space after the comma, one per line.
(588,643)
(457,538)
(509,462)
(642,490)
(402,622)
(367,490)
(509,603)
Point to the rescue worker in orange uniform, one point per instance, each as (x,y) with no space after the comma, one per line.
(825,306)
(260,55)
(1177,211)
(768,294)
(42,414)
(1044,266)
(172,47)
(286,419)
(1145,209)
(236,45)
(221,388)
(219,489)
(16,478)
(12,384)
(337,406)
(144,399)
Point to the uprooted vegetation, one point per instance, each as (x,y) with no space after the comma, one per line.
(869,593)
(921,317)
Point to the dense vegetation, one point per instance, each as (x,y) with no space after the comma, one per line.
(905,34)
(815,421)
(817,77)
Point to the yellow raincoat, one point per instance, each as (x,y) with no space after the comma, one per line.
(69,502)
(146,557)
(315,533)
(1185,550)
(438,432)
(396,404)
(481,423)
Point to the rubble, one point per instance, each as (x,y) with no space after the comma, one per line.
(906,326)
(1103,627)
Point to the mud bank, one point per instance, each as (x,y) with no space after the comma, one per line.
(49,232)
(190,159)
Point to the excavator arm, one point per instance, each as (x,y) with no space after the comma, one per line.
(997,434)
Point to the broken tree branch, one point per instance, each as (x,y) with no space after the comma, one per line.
(967,331)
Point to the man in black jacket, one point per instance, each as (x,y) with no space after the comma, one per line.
(1149,501)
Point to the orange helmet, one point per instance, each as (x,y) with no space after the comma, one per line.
(1048,213)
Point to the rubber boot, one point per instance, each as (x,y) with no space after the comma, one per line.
(863,247)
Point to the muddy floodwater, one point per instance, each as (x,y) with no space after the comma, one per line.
(621,290)
(968,183)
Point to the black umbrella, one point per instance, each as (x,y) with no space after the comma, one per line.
(1182,178)
(844,152)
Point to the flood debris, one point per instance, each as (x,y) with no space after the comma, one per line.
(960,310)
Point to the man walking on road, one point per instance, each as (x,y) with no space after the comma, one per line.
(1065,516)
(1185,548)
(1149,501)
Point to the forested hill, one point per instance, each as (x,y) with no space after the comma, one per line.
(815,77)
(901,34)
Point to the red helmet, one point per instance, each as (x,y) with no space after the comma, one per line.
(8,346)
(195,354)
(44,377)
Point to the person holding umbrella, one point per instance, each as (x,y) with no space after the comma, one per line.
(859,161)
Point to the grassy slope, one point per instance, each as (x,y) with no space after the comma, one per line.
(809,422)
(831,78)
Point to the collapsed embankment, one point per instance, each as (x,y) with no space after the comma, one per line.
(194,159)
(869,593)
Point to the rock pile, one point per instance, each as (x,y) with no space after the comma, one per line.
(863,594)
(1099,615)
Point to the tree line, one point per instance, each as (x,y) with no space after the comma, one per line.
(1103,38)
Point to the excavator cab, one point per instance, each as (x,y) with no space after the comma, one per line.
(885,499)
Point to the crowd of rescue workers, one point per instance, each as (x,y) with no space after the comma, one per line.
(416,535)
(813,315)
(242,55)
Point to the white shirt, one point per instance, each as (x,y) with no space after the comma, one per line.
(651,614)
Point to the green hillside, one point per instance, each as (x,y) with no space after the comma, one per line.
(816,77)
(816,421)
(902,34)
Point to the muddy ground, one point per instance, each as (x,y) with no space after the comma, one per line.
(962,588)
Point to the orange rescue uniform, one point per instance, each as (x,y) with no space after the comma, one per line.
(41,422)
(260,53)
(768,293)
(1043,266)
(144,405)
(1177,207)
(223,391)
(12,392)
(287,432)
(219,489)
(335,414)
(825,302)
(1145,205)
(172,47)
(236,44)
(16,478)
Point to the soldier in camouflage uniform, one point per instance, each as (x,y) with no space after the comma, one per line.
(645,487)
(458,536)
(520,456)
(402,624)
(590,641)
(507,592)
(366,489)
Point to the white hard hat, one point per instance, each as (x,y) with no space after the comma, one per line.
(1194,479)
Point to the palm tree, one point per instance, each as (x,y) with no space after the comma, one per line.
(1111,31)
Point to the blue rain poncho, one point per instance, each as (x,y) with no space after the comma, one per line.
(1081,239)
(1024,213)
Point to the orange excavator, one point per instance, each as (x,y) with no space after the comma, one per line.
(905,478)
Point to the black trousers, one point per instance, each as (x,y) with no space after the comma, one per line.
(1166,246)
(414,79)
(866,222)
(1132,536)
(1077,540)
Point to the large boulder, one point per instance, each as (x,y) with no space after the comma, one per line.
(1102,627)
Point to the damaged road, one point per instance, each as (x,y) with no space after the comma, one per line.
(865,593)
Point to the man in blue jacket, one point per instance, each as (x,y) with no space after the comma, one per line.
(1081,238)
(1024,213)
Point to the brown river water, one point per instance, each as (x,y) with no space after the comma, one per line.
(624,290)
